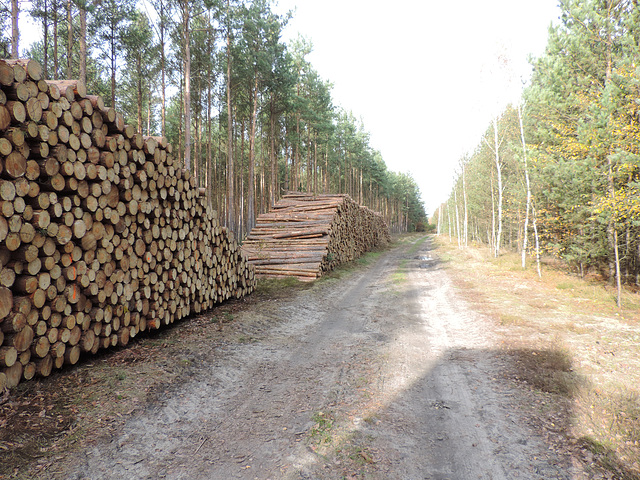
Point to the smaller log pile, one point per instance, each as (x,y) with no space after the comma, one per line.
(304,236)
(102,234)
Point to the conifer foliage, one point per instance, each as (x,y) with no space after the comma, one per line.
(576,181)
(248,114)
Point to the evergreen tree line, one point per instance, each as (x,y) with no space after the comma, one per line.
(560,172)
(247,112)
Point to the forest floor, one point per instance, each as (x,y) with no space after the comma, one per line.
(418,362)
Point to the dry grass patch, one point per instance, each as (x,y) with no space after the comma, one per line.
(570,347)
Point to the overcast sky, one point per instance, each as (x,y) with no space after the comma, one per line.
(418,71)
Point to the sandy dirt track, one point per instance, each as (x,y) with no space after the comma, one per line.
(384,373)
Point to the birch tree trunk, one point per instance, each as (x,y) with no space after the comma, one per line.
(613,231)
(466,215)
(449,218)
(492,239)
(499,171)
(537,239)
(528,185)
(455,199)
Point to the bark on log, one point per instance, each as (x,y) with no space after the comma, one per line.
(103,236)
(304,236)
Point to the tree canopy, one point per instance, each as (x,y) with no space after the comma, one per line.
(246,111)
(581,125)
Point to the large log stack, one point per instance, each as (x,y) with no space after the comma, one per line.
(304,236)
(102,234)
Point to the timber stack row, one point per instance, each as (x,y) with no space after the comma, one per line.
(102,234)
(304,236)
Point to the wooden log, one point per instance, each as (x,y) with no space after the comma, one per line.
(69,88)
(29,370)
(17,92)
(6,74)
(33,109)
(32,68)
(15,165)
(5,117)
(44,366)
(72,355)
(6,302)
(21,341)
(40,346)
(17,111)
(8,356)
(13,375)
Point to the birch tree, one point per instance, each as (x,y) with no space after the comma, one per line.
(528,187)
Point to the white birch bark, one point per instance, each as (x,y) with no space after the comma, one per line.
(528,185)
(499,171)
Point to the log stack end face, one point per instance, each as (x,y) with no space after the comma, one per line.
(102,234)
(304,236)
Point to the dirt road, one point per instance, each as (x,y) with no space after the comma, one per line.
(384,373)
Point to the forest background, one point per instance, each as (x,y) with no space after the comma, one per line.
(246,112)
(558,172)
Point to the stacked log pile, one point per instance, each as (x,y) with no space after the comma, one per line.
(102,234)
(304,236)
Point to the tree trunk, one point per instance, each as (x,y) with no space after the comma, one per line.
(230,189)
(15,33)
(526,177)
(197,152)
(252,153)
(139,91)
(308,189)
(55,40)
(455,199)
(149,100)
(163,69)
(466,215)
(272,152)
(449,222)
(69,39)
(613,231)
(45,32)
(82,74)
(315,165)
(537,240)
(327,176)
(499,171)
(187,86)
(113,66)
(492,240)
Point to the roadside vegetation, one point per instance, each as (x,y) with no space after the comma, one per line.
(569,346)
(557,171)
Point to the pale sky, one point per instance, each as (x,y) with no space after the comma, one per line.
(416,72)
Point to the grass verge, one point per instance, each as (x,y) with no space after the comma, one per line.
(569,346)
